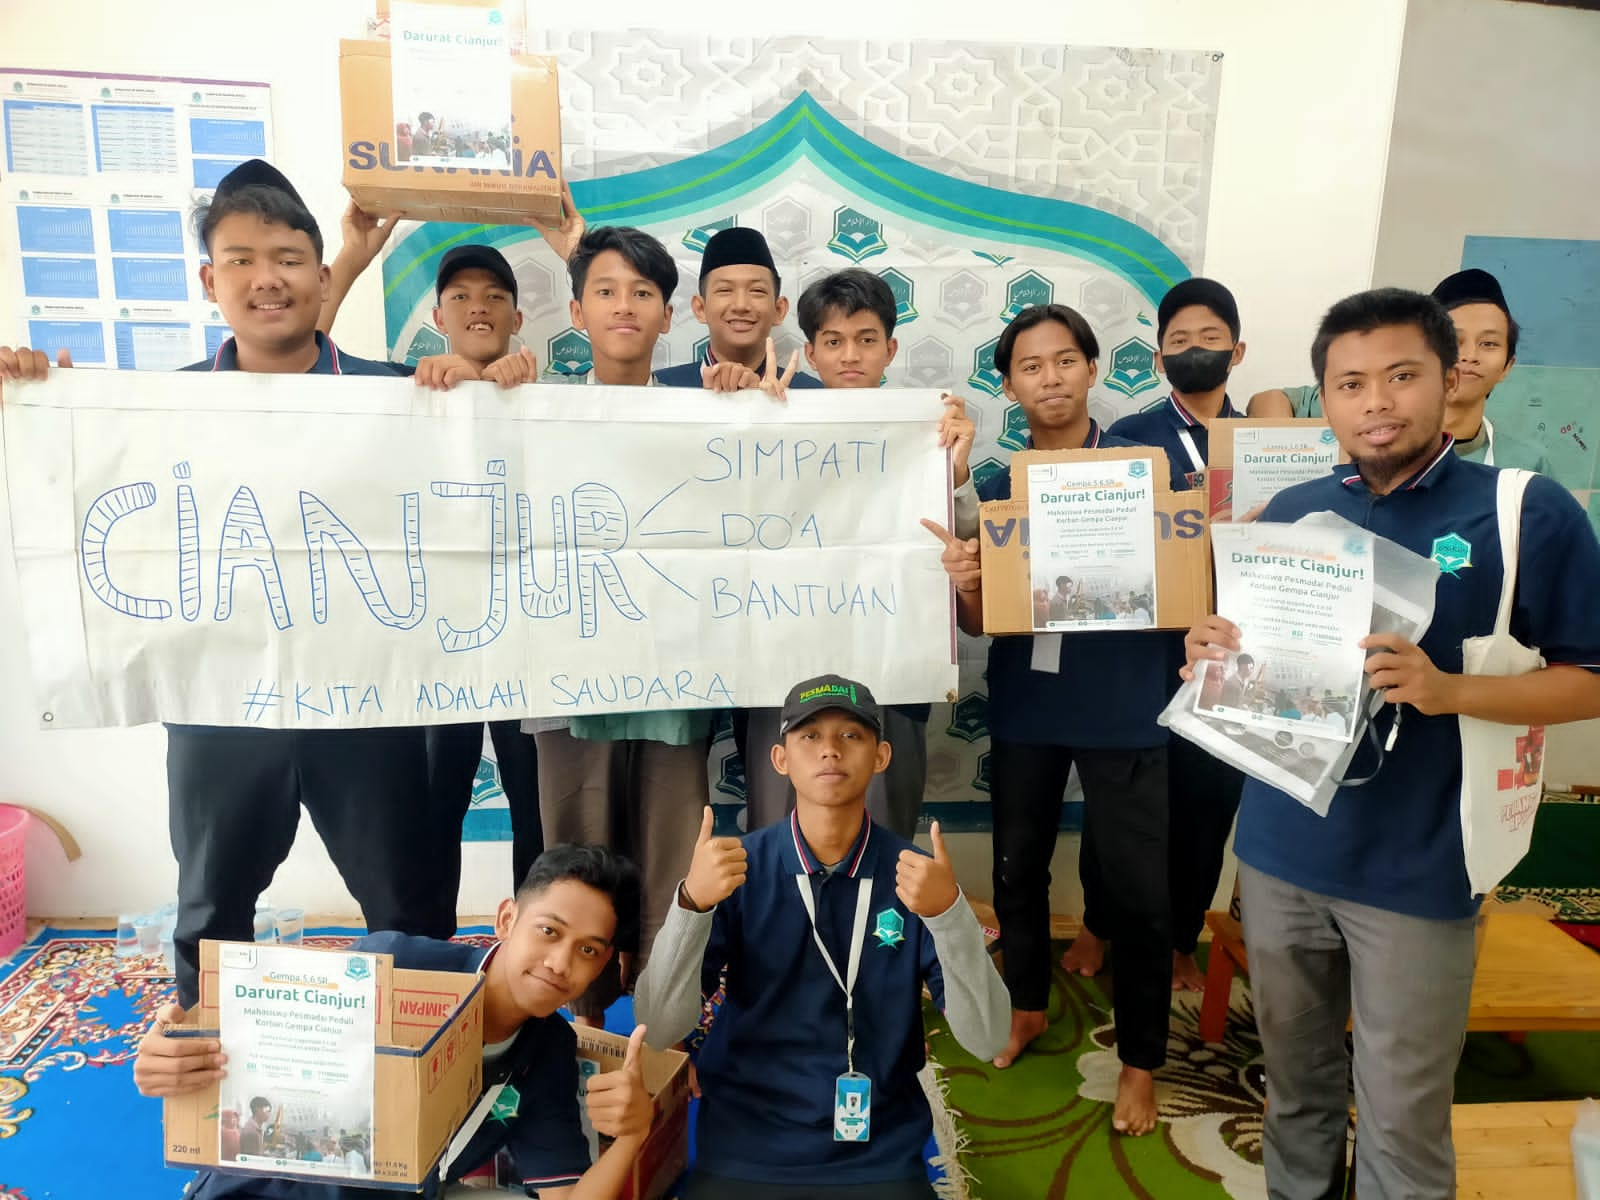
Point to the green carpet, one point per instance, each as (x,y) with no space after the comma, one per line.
(1041,1130)
(1563,863)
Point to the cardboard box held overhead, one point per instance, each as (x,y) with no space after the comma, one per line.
(427,1071)
(382,178)
(665,1153)
(1183,550)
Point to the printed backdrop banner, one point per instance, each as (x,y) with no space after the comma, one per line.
(975,178)
(317,553)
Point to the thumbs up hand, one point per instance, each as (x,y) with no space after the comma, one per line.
(717,871)
(926,886)
(619,1104)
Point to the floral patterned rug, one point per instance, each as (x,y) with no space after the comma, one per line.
(1041,1130)
(71,1015)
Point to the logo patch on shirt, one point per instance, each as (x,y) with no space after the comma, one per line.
(506,1104)
(890,929)
(1452,552)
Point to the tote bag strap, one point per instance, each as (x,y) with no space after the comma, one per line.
(1508,506)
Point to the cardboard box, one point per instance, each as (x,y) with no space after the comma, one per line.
(1222,450)
(665,1154)
(1183,549)
(427,1075)
(381,179)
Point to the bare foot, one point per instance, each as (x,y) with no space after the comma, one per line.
(1135,1112)
(1086,955)
(1186,976)
(1025,1026)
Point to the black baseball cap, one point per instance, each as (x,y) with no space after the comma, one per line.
(828,693)
(474,255)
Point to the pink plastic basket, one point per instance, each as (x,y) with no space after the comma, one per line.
(13,881)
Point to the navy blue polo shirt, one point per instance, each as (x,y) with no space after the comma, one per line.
(772,1056)
(1111,686)
(1395,843)
(688,374)
(330,361)
(1165,425)
(544,1132)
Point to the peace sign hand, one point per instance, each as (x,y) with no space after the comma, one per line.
(773,383)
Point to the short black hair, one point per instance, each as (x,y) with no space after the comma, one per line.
(1378,309)
(273,205)
(1243,660)
(1038,315)
(850,291)
(595,866)
(644,253)
(259,1102)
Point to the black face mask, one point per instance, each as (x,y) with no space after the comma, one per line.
(1197,369)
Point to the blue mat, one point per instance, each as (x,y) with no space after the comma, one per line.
(71,1016)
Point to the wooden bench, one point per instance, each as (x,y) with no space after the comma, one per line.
(1512,1151)
(1530,976)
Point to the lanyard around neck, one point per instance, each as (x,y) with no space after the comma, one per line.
(1193,451)
(858,937)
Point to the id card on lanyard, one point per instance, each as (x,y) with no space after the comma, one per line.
(852,1091)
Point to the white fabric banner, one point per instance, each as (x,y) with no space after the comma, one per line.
(308,552)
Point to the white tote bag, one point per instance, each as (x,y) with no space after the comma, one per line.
(1502,766)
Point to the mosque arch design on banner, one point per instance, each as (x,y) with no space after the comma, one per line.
(805,162)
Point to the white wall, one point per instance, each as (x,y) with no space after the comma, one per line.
(1516,157)
(1298,171)
(1494,133)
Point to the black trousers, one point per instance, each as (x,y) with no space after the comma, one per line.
(454,753)
(234,797)
(1203,793)
(1125,811)
(713,1187)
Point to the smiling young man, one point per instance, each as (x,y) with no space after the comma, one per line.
(848,319)
(1050,710)
(552,939)
(1366,914)
(633,780)
(1486,350)
(740,302)
(825,927)
(235,793)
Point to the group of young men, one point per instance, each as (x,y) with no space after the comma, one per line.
(812,1029)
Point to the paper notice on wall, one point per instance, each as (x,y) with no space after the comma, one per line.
(298,1027)
(1268,459)
(1092,545)
(452,84)
(99,176)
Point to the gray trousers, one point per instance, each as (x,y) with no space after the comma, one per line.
(1409,980)
(641,798)
(894,798)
